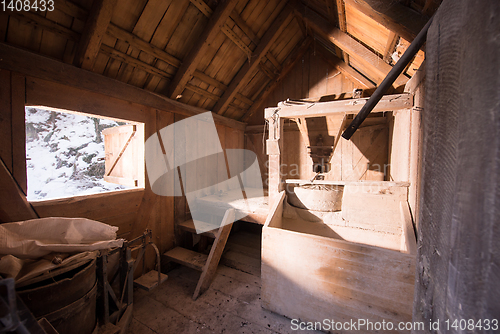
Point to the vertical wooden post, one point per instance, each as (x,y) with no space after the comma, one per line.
(18,98)
(273,150)
(102,278)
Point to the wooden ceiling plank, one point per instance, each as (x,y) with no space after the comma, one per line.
(345,69)
(238,20)
(46,24)
(244,99)
(236,40)
(95,28)
(348,44)
(287,66)
(125,58)
(248,68)
(390,47)
(202,92)
(274,61)
(144,28)
(263,67)
(393,15)
(189,64)
(209,80)
(202,7)
(72,9)
(142,45)
(163,33)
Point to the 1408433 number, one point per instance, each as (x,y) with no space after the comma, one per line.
(27,5)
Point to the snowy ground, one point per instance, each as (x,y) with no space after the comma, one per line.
(64,155)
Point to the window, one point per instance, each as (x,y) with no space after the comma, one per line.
(70,153)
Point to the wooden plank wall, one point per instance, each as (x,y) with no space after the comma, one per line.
(311,77)
(131,210)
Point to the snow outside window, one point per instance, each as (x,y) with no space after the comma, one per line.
(69,154)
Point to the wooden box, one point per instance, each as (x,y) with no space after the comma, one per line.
(312,270)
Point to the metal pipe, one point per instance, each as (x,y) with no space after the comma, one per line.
(388,81)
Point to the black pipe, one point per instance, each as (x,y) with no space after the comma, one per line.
(388,81)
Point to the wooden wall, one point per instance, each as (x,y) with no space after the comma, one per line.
(312,76)
(131,210)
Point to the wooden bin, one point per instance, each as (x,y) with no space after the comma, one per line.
(310,273)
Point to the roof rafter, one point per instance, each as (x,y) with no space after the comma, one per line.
(191,61)
(287,66)
(393,15)
(259,53)
(95,27)
(390,46)
(347,70)
(348,44)
(336,11)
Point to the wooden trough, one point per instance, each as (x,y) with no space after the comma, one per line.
(317,270)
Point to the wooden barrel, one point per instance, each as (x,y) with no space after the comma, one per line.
(67,301)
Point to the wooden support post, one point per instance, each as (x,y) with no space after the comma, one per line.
(13,203)
(274,151)
(18,96)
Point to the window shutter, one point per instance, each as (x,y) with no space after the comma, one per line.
(124,155)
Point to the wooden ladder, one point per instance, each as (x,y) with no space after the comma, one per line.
(207,264)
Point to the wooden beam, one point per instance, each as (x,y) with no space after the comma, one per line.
(237,40)
(238,20)
(72,9)
(349,106)
(37,66)
(235,17)
(13,203)
(209,80)
(390,46)
(347,70)
(18,100)
(142,45)
(244,99)
(95,28)
(287,66)
(274,61)
(125,58)
(266,70)
(342,24)
(46,24)
(336,10)
(348,44)
(241,79)
(202,92)
(191,61)
(393,15)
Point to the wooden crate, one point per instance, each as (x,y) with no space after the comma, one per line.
(313,277)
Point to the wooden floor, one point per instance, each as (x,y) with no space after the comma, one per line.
(231,304)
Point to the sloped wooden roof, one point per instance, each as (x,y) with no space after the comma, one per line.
(220,55)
